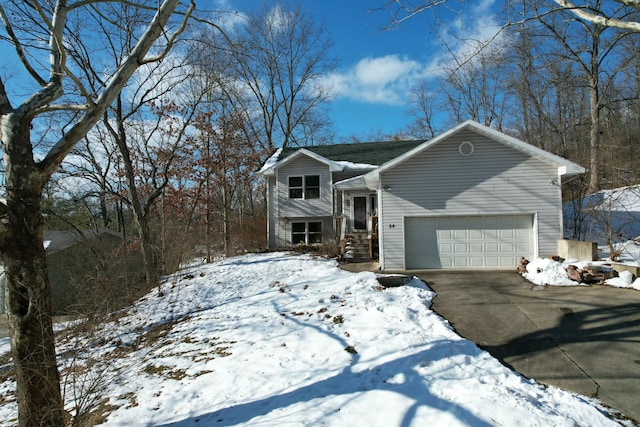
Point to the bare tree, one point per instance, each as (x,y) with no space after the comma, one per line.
(472,87)
(593,51)
(147,156)
(589,44)
(423,106)
(29,167)
(624,18)
(280,55)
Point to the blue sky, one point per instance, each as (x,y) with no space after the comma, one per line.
(378,67)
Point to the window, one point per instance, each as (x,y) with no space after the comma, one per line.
(312,187)
(304,187)
(306,233)
(295,187)
(314,232)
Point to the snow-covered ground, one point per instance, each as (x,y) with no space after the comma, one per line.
(292,340)
(608,214)
(611,218)
(548,272)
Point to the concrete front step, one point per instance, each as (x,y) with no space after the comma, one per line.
(357,246)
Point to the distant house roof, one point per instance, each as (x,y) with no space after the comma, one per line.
(373,153)
(62,239)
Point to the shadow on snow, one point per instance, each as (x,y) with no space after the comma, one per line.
(415,387)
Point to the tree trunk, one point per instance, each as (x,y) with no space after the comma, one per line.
(28,293)
(148,253)
(139,213)
(594,137)
(207,231)
(226,219)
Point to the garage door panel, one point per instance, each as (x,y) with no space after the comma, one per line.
(492,262)
(476,234)
(507,247)
(446,263)
(491,248)
(476,262)
(460,234)
(468,242)
(506,234)
(491,234)
(476,248)
(461,248)
(460,262)
(445,234)
(446,248)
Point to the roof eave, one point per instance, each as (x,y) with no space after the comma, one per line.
(356,183)
(271,170)
(570,170)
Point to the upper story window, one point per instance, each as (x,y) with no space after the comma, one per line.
(304,187)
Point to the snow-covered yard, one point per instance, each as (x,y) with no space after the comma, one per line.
(290,340)
(548,272)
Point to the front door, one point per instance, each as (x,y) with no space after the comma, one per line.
(360,213)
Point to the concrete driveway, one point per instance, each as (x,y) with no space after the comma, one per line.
(581,339)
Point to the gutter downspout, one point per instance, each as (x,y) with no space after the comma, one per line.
(379,192)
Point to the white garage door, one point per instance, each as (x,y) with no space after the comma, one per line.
(495,241)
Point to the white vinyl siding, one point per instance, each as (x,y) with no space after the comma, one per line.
(272,202)
(494,180)
(300,167)
(287,211)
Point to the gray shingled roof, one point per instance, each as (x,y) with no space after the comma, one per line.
(62,239)
(373,153)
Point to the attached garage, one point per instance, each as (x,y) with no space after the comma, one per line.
(478,241)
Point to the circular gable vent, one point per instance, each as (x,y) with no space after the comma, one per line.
(466,148)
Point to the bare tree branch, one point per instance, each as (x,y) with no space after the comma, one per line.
(172,38)
(19,49)
(119,78)
(402,10)
(598,17)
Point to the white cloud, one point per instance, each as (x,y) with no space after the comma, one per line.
(278,18)
(473,28)
(380,80)
(388,80)
(226,15)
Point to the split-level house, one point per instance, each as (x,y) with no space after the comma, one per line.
(471,197)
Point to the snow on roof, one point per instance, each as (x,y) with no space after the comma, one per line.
(352,156)
(271,161)
(355,166)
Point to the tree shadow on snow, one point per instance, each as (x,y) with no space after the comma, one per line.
(414,386)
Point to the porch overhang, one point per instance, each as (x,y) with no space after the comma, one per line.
(362,182)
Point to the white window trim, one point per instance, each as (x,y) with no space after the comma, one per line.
(304,187)
(306,232)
